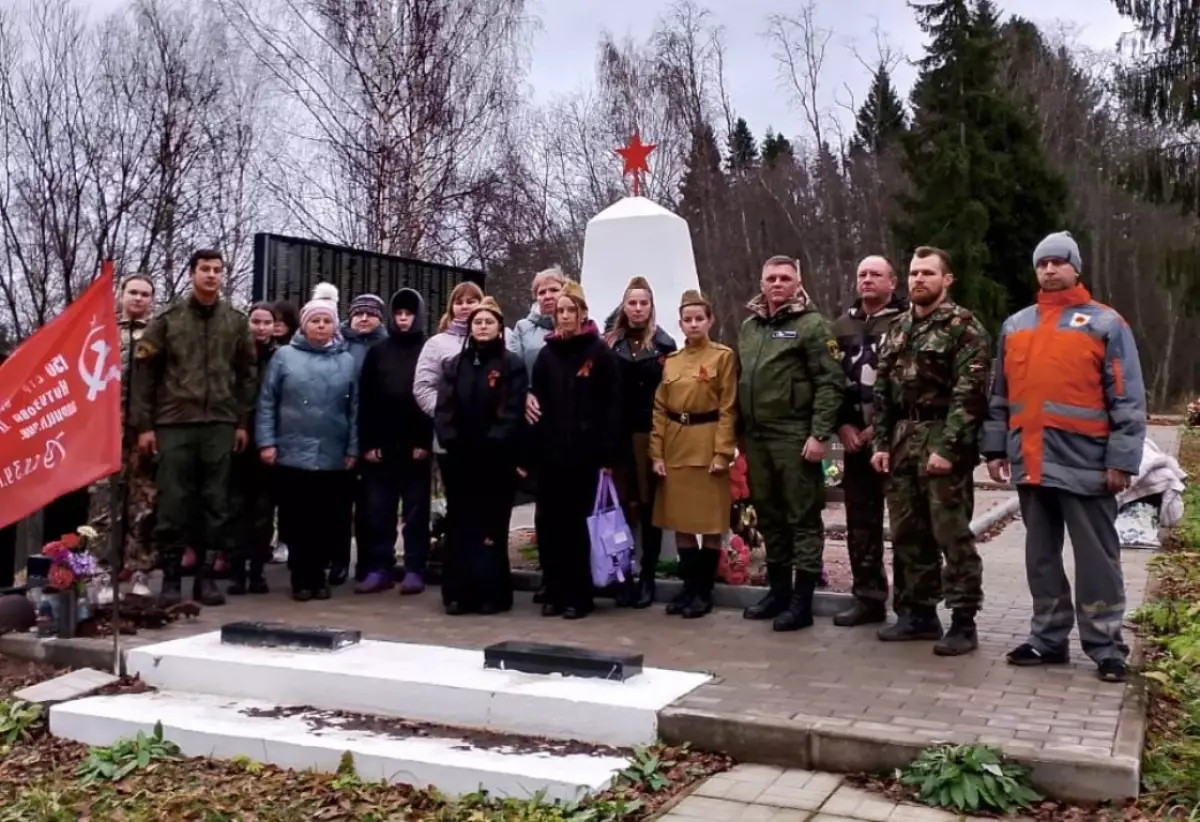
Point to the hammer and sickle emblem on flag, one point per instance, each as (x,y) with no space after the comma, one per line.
(94,376)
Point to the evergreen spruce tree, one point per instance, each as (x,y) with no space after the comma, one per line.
(702,192)
(881,120)
(981,186)
(741,148)
(776,147)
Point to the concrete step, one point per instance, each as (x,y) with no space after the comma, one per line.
(427,683)
(212,726)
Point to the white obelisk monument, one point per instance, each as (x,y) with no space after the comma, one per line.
(637,237)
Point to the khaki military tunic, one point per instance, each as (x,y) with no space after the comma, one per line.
(695,409)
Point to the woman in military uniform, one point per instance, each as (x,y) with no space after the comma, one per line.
(691,447)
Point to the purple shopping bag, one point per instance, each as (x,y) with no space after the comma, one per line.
(611,539)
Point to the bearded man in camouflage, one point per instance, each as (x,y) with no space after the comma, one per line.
(194,385)
(931,400)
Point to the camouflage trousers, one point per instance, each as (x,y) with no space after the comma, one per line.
(863,487)
(788,494)
(105,496)
(1099,602)
(195,464)
(931,532)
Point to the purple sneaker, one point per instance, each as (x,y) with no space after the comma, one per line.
(413,583)
(375,582)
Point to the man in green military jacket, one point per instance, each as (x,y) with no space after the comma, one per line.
(789,393)
(930,403)
(193,391)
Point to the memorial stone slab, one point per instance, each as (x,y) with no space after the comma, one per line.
(567,660)
(282,635)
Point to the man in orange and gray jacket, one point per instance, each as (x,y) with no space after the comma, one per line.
(1066,423)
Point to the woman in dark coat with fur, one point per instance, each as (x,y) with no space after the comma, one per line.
(479,422)
(576,436)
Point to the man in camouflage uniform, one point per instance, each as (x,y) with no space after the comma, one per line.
(789,392)
(859,332)
(194,380)
(931,398)
(137,480)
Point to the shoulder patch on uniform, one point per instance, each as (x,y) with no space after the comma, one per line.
(1079,319)
(834,351)
(144,350)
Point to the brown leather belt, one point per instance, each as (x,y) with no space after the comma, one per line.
(694,418)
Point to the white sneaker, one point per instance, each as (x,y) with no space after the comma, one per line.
(104,590)
(139,588)
(280,554)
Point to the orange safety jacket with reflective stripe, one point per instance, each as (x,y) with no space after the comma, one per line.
(1067,399)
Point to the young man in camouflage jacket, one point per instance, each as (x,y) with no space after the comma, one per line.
(194,381)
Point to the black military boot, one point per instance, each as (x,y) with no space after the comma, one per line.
(799,612)
(779,578)
(204,589)
(706,576)
(687,575)
(962,638)
(861,612)
(919,623)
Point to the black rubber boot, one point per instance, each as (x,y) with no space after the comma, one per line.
(237,579)
(962,638)
(779,578)
(172,589)
(257,583)
(706,576)
(204,589)
(861,613)
(919,623)
(799,611)
(687,575)
(646,587)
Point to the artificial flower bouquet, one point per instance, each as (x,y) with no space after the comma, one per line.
(72,564)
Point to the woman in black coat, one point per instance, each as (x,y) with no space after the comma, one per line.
(479,422)
(641,348)
(574,438)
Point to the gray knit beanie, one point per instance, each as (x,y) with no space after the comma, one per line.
(1061,246)
(367,304)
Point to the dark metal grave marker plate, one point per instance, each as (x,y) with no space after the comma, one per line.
(540,658)
(282,635)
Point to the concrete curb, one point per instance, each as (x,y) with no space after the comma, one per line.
(67,653)
(825,603)
(828,745)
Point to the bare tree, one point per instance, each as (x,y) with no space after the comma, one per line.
(398,105)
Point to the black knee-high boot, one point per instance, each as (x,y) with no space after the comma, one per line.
(701,602)
(687,575)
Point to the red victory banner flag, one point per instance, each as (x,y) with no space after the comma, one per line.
(60,405)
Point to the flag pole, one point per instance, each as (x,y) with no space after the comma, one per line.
(121,531)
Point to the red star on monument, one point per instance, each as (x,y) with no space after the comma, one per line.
(635,155)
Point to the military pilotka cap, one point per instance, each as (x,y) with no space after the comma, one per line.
(1059,246)
(693,297)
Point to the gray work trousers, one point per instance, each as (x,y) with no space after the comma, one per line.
(1099,601)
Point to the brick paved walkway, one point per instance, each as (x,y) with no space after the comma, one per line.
(829,698)
(757,793)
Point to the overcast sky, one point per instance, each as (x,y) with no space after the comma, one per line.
(564,50)
(565,47)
